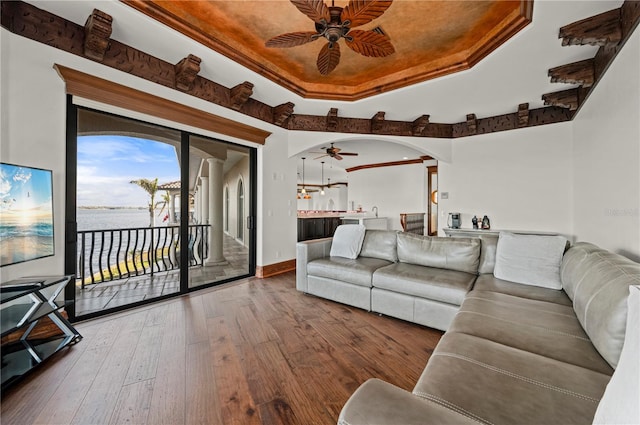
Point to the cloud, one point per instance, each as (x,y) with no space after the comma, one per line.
(22,175)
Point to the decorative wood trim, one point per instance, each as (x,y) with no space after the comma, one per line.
(186,72)
(564,99)
(599,30)
(472,124)
(332,119)
(540,116)
(377,121)
(427,158)
(419,124)
(275,269)
(97,30)
(523,115)
(581,73)
(240,94)
(384,164)
(94,88)
(281,113)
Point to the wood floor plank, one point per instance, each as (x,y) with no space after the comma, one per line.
(236,403)
(255,351)
(169,391)
(100,399)
(202,406)
(133,403)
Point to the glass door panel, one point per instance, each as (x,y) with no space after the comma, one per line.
(219,181)
(127,212)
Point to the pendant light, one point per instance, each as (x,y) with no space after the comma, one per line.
(322,180)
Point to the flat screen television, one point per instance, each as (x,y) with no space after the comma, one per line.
(26,214)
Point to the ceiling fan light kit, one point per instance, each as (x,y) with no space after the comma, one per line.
(334,23)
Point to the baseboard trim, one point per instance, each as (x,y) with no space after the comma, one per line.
(275,269)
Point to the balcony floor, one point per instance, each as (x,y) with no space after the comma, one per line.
(121,292)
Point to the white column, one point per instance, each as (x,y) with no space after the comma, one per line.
(216,176)
(204,200)
(196,205)
(172,208)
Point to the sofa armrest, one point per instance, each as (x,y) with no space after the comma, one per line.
(308,251)
(378,402)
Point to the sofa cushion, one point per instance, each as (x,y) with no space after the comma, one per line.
(347,241)
(448,286)
(619,404)
(500,384)
(488,248)
(530,259)
(572,269)
(380,244)
(543,328)
(357,272)
(490,283)
(600,300)
(461,254)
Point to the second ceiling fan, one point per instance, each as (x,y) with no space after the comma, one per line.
(336,153)
(334,23)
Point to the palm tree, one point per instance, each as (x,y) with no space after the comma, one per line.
(151,187)
(164,203)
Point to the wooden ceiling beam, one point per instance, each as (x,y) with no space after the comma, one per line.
(240,94)
(332,119)
(97,32)
(581,73)
(281,113)
(186,72)
(419,124)
(599,30)
(569,99)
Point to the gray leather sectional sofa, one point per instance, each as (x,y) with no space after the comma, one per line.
(512,353)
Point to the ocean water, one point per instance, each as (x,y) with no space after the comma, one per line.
(14,230)
(103,219)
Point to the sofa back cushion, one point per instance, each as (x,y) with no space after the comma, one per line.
(347,241)
(573,269)
(488,249)
(600,300)
(380,244)
(530,259)
(461,254)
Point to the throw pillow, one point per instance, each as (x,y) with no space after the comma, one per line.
(347,241)
(530,259)
(619,404)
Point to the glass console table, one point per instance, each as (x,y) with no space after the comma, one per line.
(23,302)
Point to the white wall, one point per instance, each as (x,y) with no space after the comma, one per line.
(606,150)
(521,179)
(394,190)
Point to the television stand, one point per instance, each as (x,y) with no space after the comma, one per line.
(23,302)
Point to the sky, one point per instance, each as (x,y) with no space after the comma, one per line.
(107,164)
(24,189)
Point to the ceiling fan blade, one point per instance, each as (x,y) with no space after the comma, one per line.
(322,156)
(328,58)
(334,149)
(291,39)
(316,10)
(349,154)
(360,12)
(370,43)
(338,157)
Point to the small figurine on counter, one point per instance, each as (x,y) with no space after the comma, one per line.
(474,221)
(485,223)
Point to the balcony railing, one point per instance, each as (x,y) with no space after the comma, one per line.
(107,255)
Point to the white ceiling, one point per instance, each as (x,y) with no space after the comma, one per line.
(514,73)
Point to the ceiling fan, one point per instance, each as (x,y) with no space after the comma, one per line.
(336,153)
(334,23)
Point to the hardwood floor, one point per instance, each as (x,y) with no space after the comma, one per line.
(252,352)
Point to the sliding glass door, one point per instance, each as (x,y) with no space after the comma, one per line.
(147,208)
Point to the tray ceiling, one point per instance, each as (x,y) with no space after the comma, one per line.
(431,39)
